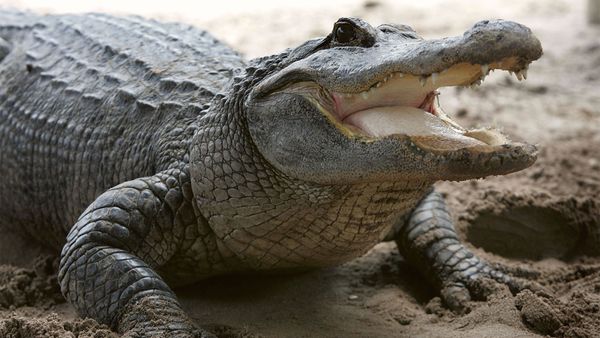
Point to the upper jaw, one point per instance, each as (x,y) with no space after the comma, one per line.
(500,44)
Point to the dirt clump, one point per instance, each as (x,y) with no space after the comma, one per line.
(52,326)
(30,287)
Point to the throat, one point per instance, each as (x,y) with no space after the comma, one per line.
(318,226)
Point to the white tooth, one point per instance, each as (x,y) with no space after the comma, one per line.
(348,95)
(519,75)
(364,95)
(423,80)
(444,71)
(379,84)
(475,84)
(524,73)
(434,77)
(485,69)
(400,74)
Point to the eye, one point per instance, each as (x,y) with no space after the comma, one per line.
(344,32)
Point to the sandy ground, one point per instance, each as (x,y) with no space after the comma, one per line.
(542,224)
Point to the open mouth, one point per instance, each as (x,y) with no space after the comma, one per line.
(407,104)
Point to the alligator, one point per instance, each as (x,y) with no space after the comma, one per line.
(156,156)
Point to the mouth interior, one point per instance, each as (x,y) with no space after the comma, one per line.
(406,104)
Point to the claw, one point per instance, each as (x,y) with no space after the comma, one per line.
(457,297)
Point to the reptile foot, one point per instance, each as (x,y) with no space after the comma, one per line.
(478,283)
(142,333)
(429,241)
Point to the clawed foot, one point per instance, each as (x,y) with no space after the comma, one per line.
(475,279)
(143,331)
(158,315)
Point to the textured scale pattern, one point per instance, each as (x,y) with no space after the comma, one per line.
(339,221)
(82,110)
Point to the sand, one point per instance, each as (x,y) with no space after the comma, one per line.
(542,224)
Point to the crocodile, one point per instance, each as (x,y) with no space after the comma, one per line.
(156,156)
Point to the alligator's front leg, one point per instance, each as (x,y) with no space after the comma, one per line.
(107,269)
(428,240)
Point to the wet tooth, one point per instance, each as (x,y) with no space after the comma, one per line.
(434,77)
(524,73)
(423,80)
(485,69)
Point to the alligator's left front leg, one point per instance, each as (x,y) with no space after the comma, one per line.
(428,241)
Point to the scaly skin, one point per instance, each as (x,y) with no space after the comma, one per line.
(168,159)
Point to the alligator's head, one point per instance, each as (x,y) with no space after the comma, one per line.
(361,105)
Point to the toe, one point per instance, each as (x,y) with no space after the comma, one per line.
(456,296)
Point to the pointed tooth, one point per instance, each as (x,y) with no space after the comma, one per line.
(524,73)
(519,75)
(434,77)
(485,69)
(364,95)
(423,80)
(379,84)
(400,74)
(444,71)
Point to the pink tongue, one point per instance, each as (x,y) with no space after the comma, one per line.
(384,121)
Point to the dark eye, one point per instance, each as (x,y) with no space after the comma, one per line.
(344,32)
